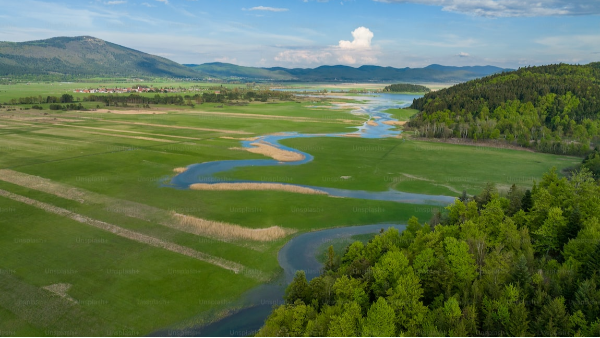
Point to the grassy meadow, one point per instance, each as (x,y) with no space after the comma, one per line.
(101,170)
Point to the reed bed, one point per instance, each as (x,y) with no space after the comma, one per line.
(274,152)
(394,123)
(228,232)
(257,186)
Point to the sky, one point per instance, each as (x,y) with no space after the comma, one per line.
(310,33)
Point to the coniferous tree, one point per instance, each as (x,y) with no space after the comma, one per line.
(298,289)
(380,320)
(527,201)
(572,228)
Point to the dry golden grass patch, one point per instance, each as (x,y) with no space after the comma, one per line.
(60,289)
(181,127)
(129,112)
(133,137)
(232,232)
(129,132)
(372,123)
(126,233)
(257,186)
(277,117)
(351,135)
(395,123)
(240,138)
(212,229)
(180,170)
(280,155)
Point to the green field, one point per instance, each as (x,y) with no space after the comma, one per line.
(107,168)
(410,166)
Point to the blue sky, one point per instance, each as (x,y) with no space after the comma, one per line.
(309,33)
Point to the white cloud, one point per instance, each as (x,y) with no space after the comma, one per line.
(571,42)
(512,8)
(267,9)
(147,4)
(303,56)
(226,59)
(115,2)
(362,39)
(166,2)
(357,51)
(463,55)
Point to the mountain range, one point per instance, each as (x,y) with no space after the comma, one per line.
(89,56)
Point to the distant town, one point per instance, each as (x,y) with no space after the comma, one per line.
(138,89)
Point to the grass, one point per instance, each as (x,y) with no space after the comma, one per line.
(402,114)
(127,287)
(123,286)
(410,166)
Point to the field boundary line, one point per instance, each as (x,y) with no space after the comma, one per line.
(217,230)
(94,154)
(240,132)
(128,131)
(129,234)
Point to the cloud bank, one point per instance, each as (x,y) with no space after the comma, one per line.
(267,9)
(359,50)
(512,8)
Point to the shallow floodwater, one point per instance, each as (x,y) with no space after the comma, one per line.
(300,252)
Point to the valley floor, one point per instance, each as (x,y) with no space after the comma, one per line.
(93,242)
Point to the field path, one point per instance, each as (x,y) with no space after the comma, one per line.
(122,232)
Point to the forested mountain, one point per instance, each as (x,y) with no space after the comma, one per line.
(554,108)
(84,56)
(527,264)
(226,70)
(432,73)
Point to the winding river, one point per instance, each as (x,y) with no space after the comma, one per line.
(300,252)
(375,107)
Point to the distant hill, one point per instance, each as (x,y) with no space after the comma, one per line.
(84,56)
(432,73)
(227,70)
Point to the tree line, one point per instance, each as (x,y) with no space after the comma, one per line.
(554,109)
(217,95)
(523,264)
(406,88)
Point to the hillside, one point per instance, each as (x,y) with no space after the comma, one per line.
(84,56)
(432,73)
(554,108)
(524,265)
(225,70)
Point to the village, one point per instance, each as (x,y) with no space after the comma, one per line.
(138,89)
